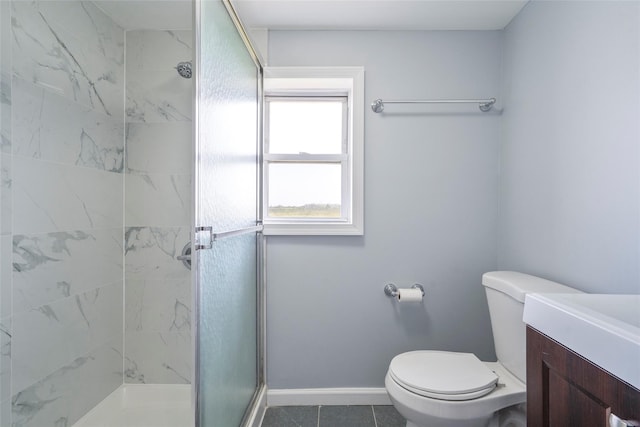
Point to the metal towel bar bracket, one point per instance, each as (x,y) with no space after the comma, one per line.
(484,104)
(391,290)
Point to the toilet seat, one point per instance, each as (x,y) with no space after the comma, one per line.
(443,375)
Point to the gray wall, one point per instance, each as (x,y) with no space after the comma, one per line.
(570,157)
(431,198)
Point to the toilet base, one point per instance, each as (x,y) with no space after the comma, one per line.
(452,423)
(513,416)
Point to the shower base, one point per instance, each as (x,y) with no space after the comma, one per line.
(143,405)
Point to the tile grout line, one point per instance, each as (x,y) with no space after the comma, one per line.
(318,416)
(375,420)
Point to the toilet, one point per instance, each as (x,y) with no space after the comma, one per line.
(447,389)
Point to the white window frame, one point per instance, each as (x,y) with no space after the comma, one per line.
(323,81)
(342,158)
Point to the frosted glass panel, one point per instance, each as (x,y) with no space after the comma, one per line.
(226,193)
(228,114)
(228,364)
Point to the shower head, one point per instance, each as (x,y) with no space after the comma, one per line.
(184,69)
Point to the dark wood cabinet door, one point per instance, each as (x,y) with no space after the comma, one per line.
(566,390)
(571,406)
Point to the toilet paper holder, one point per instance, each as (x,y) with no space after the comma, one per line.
(391,290)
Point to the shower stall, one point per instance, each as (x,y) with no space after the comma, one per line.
(131,252)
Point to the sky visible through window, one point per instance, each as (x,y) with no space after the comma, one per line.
(312,127)
(294,184)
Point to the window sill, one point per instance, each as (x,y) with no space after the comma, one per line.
(312,230)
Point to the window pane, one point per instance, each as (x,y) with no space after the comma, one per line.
(304,190)
(313,127)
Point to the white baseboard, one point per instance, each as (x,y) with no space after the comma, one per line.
(327,396)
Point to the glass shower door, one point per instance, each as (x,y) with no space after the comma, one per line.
(226,238)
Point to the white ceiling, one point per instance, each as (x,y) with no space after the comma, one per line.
(325,14)
(378,14)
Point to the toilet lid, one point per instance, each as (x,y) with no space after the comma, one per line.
(443,375)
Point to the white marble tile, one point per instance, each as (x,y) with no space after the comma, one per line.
(53,197)
(5,409)
(155,91)
(48,55)
(5,37)
(51,127)
(6,268)
(158,200)
(150,253)
(5,76)
(157,49)
(5,213)
(157,358)
(158,305)
(63,331)
(6,193)
(5,359)
(159,148)
(52,266)
(106,376)
(88,24)
(5,112)
(109,84)
(67,394)
(5,129)
(161,96)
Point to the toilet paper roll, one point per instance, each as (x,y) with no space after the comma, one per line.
(409,295)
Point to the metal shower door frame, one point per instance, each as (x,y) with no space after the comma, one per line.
(260,391)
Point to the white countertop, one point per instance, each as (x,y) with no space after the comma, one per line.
(604,329)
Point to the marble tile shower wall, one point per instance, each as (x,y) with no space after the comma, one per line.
(157,207)
(5,214)
(61,289)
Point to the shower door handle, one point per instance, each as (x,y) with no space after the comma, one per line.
(212,237)
(238,232)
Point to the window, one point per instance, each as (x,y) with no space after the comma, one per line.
(313,151)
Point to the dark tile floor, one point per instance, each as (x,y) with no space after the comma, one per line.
(333,416)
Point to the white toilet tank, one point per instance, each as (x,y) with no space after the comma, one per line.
(505,295)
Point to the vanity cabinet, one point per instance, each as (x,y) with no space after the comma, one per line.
(566,390)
